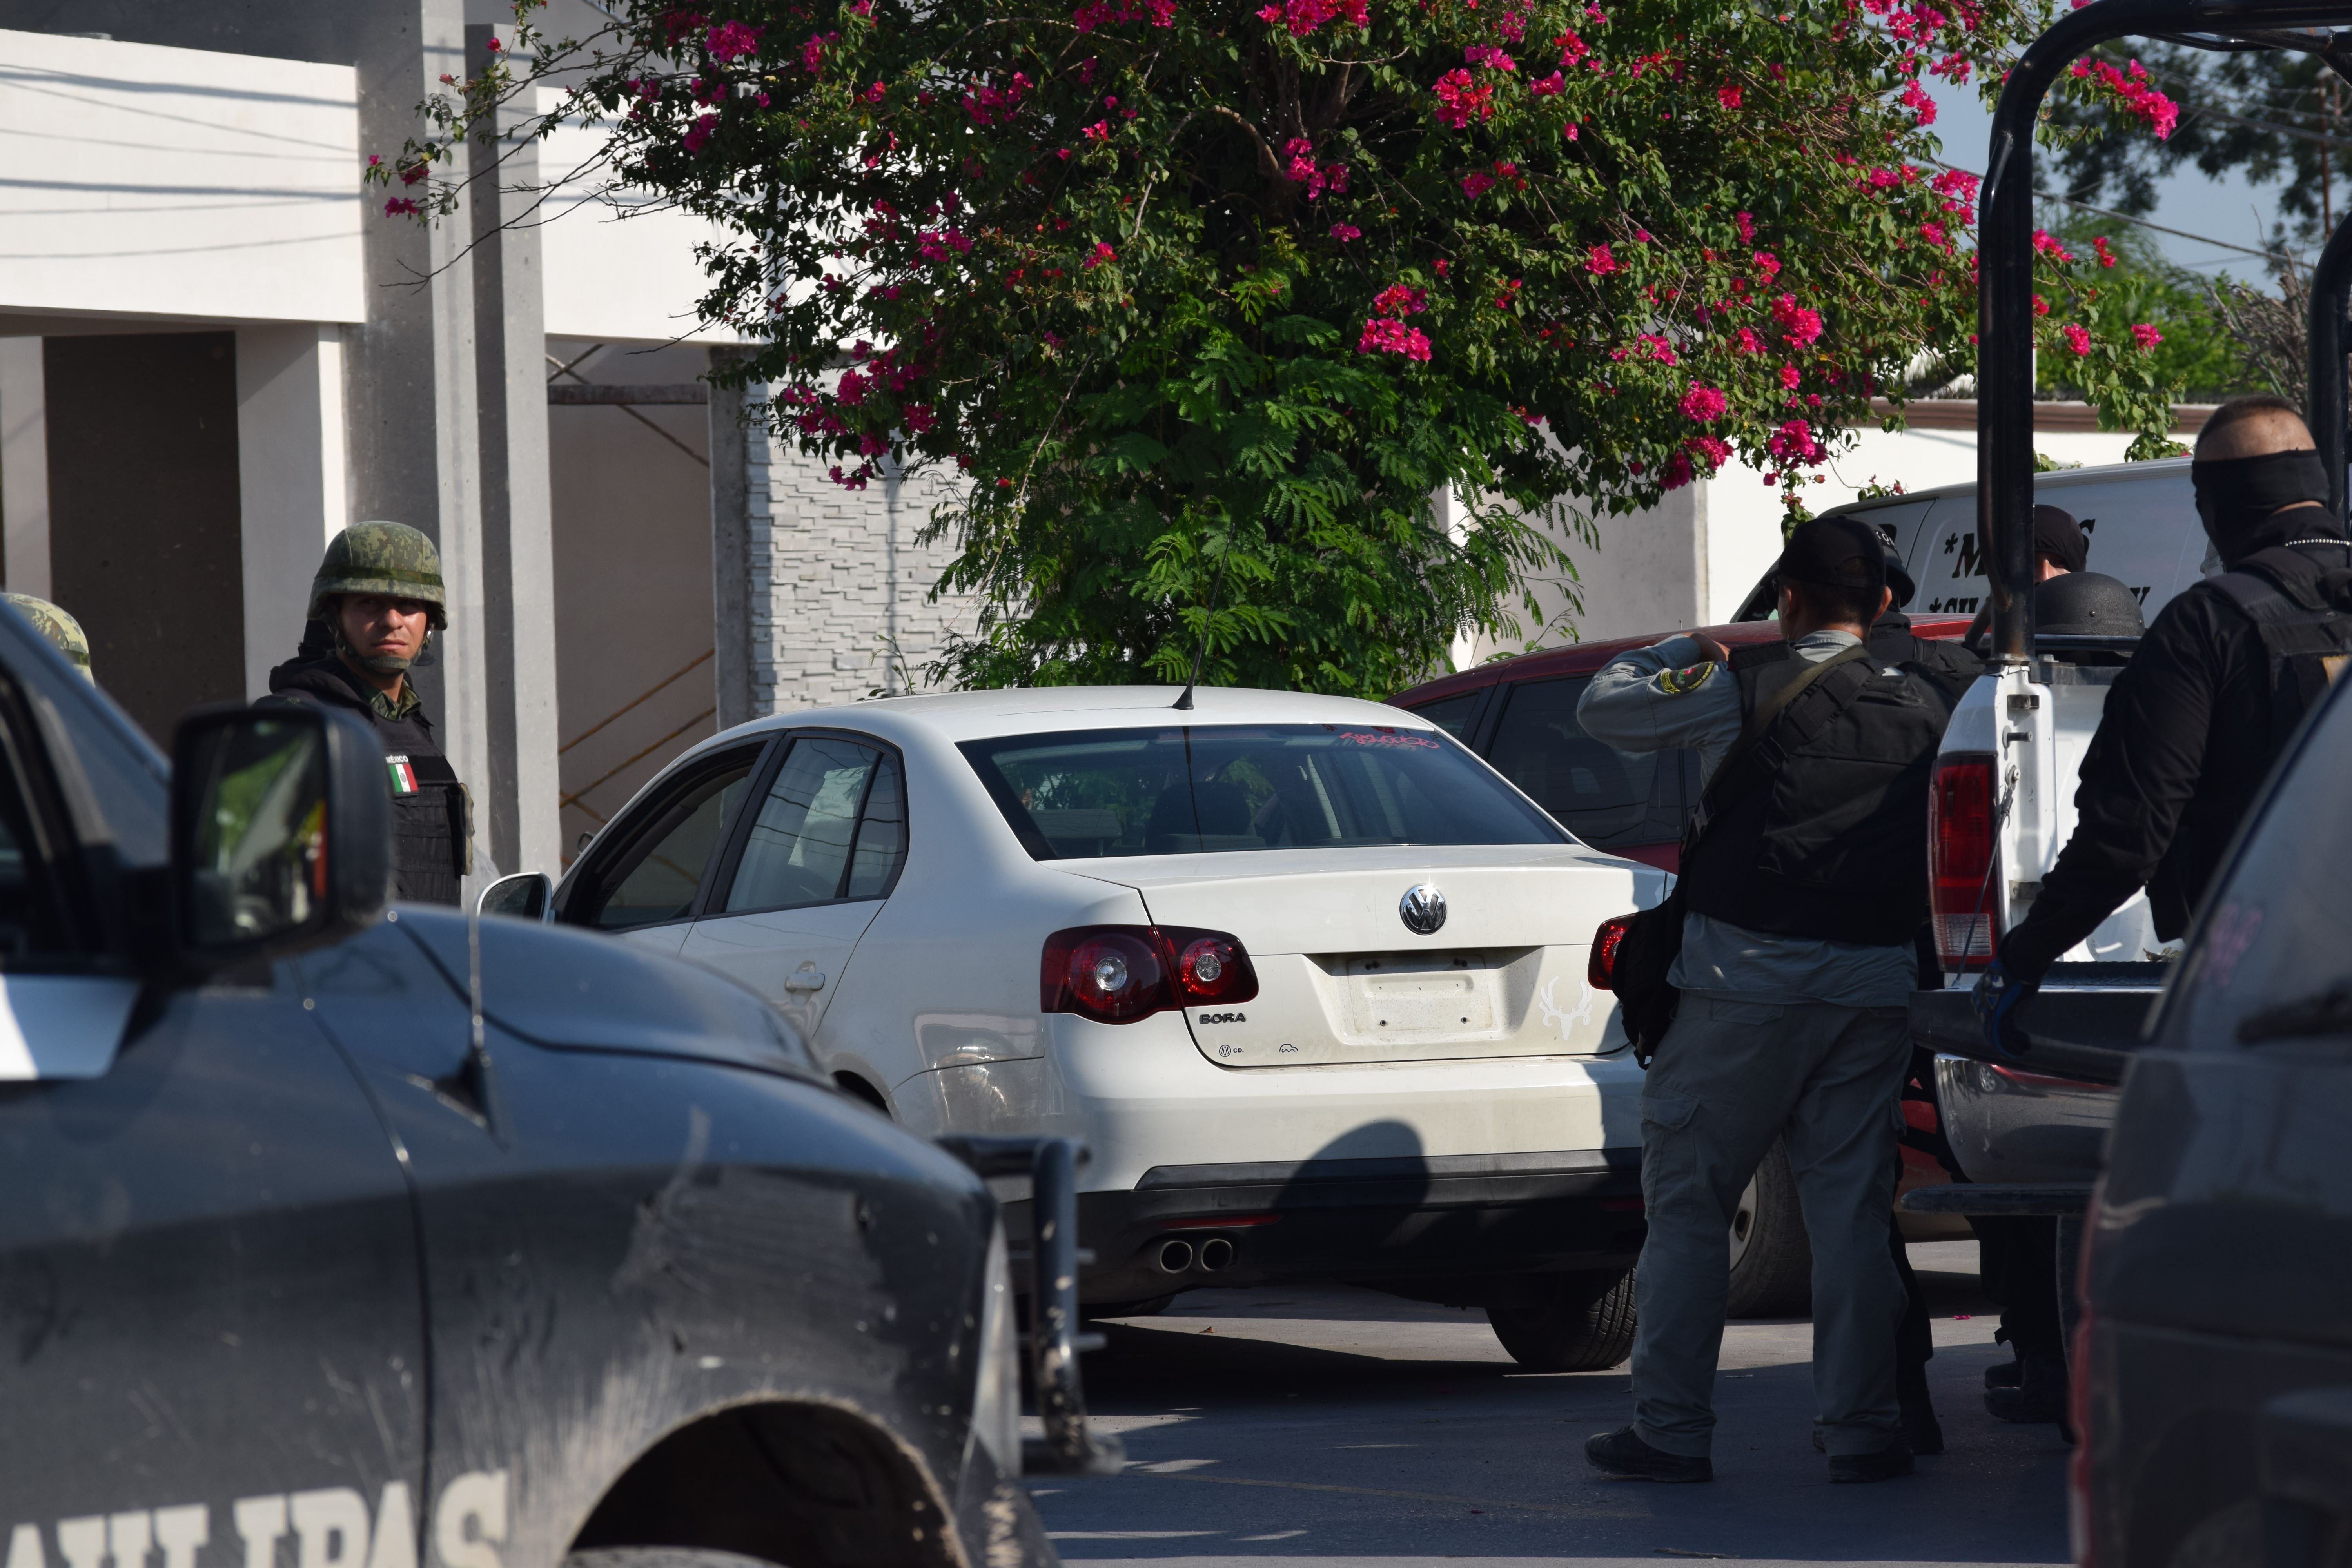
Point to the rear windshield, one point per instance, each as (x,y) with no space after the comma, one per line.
(1198,790)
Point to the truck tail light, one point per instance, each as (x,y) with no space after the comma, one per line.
(1961,856)
(1602,967)
(1115,974)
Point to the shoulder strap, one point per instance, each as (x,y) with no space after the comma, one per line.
(1735,776)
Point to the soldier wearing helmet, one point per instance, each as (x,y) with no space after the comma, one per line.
(376,598)
(60,627)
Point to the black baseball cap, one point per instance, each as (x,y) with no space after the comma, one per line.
(1834,552)
(2059,538)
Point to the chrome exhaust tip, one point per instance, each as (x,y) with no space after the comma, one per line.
(1175,1256)
(1215,1253)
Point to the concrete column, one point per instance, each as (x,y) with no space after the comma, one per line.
(414,426)
(731,577)
(24,466)
(516,520)
(292,482)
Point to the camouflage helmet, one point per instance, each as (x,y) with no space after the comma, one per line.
(58,628)
(387,558)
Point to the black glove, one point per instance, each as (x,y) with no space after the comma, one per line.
(1996,998)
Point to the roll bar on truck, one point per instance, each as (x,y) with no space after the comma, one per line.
(2081,1029)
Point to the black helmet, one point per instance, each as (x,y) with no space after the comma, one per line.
(2086,604)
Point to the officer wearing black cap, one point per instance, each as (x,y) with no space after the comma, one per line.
(1802,888)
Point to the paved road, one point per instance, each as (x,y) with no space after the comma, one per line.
(1337,1427)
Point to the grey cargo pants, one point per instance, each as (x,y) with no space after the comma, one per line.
(1729,1077)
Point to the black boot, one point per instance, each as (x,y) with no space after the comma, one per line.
(1885,1465)
(1622,1453)
(2039,1395)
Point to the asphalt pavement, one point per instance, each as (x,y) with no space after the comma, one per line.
(1335,1426)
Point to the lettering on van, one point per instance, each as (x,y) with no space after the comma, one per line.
(329,1528)
(1224,1017)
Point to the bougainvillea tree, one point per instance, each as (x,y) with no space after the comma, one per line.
(1215,299)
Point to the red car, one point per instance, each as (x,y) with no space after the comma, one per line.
(1520,715)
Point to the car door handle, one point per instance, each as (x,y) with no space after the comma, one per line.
(805,980)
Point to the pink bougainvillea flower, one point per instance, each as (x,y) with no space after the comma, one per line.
(2099,245)
(399,206)
(1461,98)
(2076,338)
(1569,130)
(700,132)
(2158,112)
(1474,184)
(1714,450)
(1385,336)
(1598,262)
(1933,233)
(1400,301)
(1344,232)
(1490,56)
(1102,252)
(1548,86)
(1766,265)
(1789,378)
(1301,17)
(2146,336)
(732,41)
(1749,343)
(812,52)
(2054,248)
(1916,99)
(1800,324)
(1702,404)
(1728,96)
(1746,228)
(1793,442)
(1098,132)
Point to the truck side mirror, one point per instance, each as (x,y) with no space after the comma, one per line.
(281,832)
(523,895)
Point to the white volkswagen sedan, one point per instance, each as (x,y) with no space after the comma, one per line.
(1307,976)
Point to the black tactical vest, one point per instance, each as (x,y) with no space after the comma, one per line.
(429,836)
(1833,844)
(2302,611)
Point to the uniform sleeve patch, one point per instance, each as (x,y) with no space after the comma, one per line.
(1679,682)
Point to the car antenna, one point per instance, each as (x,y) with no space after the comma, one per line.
(1185,702)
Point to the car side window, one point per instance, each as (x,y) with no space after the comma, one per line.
(34,929)
(657,876)
(881,835)
(1605,797)
(800,849)
(1455,715)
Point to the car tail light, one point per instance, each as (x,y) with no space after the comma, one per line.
(1961,856)
(1115,974)
(1602,967)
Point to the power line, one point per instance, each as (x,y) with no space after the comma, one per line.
(2127,217)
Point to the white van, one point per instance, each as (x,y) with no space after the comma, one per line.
(2141,520)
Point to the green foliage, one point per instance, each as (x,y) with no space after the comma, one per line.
(1188,288)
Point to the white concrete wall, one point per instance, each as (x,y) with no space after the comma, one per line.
(150,181)
(618,266)
(840,604)
(292,487)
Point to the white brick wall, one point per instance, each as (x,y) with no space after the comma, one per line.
(847,609)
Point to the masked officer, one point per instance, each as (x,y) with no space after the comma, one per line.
(1802,890)
(2190,729)
(2209,700)
(375,600)
(60,627)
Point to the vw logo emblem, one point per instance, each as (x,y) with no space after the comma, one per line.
(1423,908)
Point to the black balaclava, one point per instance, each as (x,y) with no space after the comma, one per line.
(2238,501)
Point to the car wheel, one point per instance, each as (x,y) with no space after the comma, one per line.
(1587,1326)
(1772,1261)
(1151,1307)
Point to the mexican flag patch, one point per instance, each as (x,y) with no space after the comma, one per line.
(403,775)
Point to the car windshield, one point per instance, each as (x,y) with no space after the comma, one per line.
(1201,790)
